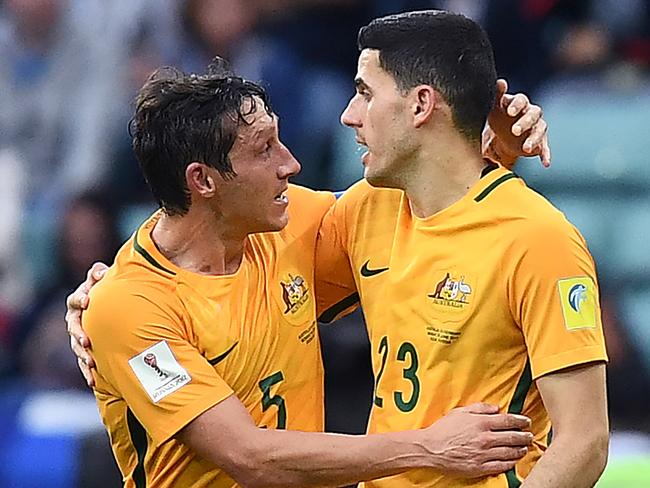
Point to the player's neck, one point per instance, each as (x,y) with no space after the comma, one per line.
(199,243)
(445,171)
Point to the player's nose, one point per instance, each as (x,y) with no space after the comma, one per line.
(350,117)
(289,166)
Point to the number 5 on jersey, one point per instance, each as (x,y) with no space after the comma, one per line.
(277,400)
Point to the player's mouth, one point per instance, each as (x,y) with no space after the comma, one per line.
(366,154)
(282,197)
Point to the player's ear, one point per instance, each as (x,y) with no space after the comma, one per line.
(424,102)
(200,180)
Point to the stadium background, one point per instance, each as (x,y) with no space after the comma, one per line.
(70,189)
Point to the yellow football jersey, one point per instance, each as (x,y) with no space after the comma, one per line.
(469,305)
(170,344)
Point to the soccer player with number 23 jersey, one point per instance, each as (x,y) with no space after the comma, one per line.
(474,287)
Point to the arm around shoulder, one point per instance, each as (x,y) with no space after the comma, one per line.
(468,442)
(227,436)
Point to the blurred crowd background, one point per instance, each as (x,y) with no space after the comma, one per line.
(71,191)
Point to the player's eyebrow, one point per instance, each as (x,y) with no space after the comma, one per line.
(359,84)
(264,132)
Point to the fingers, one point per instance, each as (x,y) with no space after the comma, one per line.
(532,121)
(76,302)
(537,135)
(95,273)
(73,325)
(87,373)
(84,361)
(546,153)
(539,145)
(502,88)
(75,331)
(481,408)
(506,453)
(81,352)
(516,104)
(78,299)
(496,467)
(531,116)
(509,438)
(500,459)
(508,421)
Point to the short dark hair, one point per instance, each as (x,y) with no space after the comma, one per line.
(447,51)
(181,118)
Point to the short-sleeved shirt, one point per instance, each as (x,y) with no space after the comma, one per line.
(469,305)
(170,344)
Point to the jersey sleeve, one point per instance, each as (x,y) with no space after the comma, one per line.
(144,357)
(553,295)
(336,290)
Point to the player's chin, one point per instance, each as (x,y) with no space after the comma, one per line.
(278,222)
(377,179)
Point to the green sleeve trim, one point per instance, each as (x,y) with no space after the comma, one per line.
(521,390)
(140,444)
(513,481)
(517,406)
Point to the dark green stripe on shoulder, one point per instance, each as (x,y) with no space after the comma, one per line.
(145,254)
(517,406)
(330,314)
(140,444)
(493,185)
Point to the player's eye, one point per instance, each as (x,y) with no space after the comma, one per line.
(266,148)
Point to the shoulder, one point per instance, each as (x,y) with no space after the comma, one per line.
(363,191)
(356,200)
(128,298)
(305,200)
(143,285)
(527,215)
(542,221)
(531,226)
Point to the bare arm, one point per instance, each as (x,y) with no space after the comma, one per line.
(227,436)
(576,401)
(463,443)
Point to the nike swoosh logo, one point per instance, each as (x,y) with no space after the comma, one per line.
(222,356)
(367,272)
